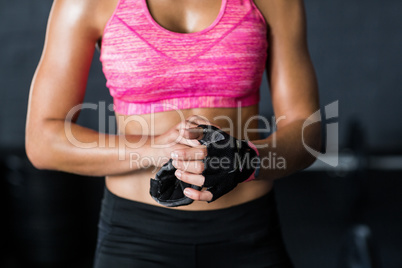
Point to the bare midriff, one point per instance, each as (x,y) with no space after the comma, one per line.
(236,121)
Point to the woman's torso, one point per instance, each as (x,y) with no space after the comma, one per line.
(185,16)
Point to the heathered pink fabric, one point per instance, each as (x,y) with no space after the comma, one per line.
(151,69)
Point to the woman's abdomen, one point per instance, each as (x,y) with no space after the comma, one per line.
(135,185)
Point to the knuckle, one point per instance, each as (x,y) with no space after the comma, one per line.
(177,164)
(202,166)
(182,124)
(181,131)
(200,180)
(196,196)
(192,116)
(183,153)
(188,123)
(204,152)
(184,177)
(198,154)
(199,167)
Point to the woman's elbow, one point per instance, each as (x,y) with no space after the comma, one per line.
(38,150)
(35,154)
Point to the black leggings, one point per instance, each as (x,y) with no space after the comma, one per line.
(135,234)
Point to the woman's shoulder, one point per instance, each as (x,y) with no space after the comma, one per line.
(88,15)
(280,12)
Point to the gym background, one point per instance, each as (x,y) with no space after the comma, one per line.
(347,216)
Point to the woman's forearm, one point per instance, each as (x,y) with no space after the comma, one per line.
(55,145)
(284,152)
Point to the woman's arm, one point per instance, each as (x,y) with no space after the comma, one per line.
(294,89)
(59,84)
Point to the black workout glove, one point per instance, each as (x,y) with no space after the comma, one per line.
(167,190)
(229,161)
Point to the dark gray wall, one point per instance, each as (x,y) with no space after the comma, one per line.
(356,50)
(22,33)
(355,47)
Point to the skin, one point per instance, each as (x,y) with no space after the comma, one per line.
(76,26)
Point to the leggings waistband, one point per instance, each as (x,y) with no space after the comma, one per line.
(132,217)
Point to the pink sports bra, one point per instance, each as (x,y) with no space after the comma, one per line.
(151,69)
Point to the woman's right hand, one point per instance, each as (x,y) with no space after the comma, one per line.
(178,137)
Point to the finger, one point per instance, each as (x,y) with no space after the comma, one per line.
(186,136)
(189,142)
(190,178)
(196,167)
(195,153)
(186,124)
(198,195)
(194,133)
(200,120)
(190,136)
(177,136)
